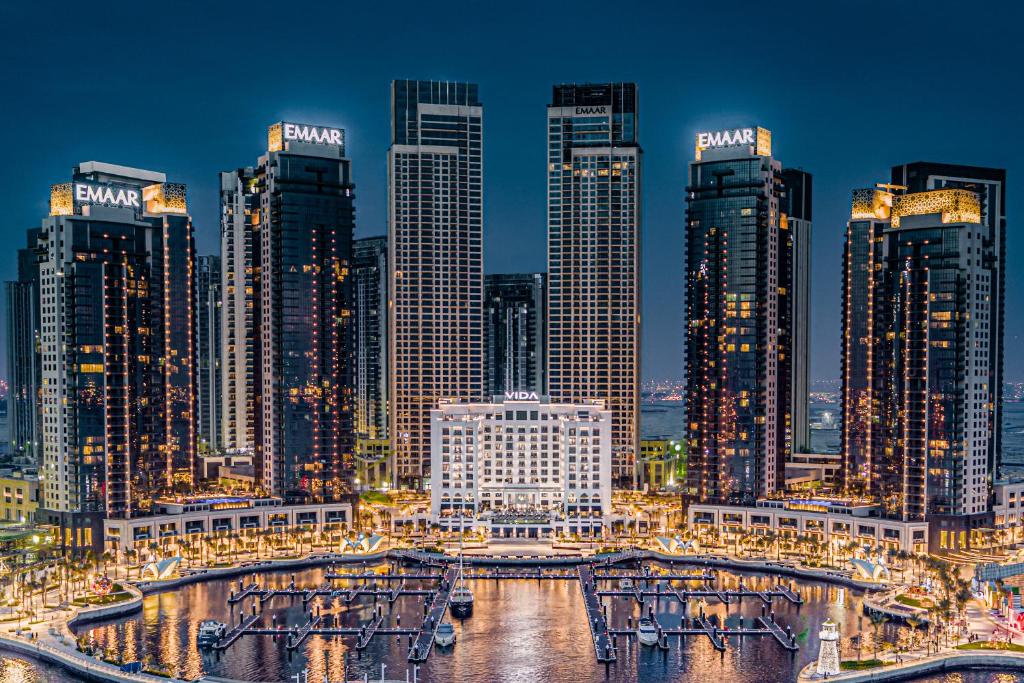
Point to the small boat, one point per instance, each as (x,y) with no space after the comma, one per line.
(461,601)
(445,635)
(647,631)
(210,632)
(626,584)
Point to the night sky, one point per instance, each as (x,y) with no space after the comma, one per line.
(847,89)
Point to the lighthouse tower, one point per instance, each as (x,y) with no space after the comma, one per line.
(828,650)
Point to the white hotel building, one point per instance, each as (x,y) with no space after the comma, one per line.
(521,466)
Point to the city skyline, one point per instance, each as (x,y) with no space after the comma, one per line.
(842,151)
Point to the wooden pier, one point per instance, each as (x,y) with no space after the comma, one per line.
(595,616)
(296,638)
(724,596)
(425,637)
(786,639)
(237,632)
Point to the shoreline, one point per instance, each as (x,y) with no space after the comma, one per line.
(68,657)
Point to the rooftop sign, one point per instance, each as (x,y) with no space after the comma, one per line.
(284,132)
(760,139)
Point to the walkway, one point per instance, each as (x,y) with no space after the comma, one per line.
(425,638)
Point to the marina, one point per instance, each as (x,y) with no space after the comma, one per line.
(525,616)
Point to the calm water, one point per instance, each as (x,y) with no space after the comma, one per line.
(528,631)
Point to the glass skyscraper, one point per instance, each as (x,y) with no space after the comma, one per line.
(739,329)
(117,284)
(290,241)
(922,341)
(594,171)
(24,367)
(370,278)
(209,380)
(514,333)
(435,252)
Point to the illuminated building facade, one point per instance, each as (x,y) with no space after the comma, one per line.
(864,330)
(514,332)
(209,378)
(739,305)
(797,207)
(24,365)
(117,287)
(370,281)
(990,186)
(593,171)
(435,252)
(240,264)
(920,428)
(300,203)
(522,462)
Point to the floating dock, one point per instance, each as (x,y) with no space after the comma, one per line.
(595,616)
(425,637)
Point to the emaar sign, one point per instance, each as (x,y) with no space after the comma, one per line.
(726,138)
(106,195)
(313,134)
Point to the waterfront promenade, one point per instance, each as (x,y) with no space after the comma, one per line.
(51,639)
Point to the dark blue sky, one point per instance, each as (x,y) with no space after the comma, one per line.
(847,88)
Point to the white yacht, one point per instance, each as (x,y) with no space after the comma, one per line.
(626,584)
(210,632)
(445,634)
(647,631)
(461,599)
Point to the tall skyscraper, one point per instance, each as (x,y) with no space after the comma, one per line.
(796,206)
(864,330)
(370,280)
(739,305)
(594,258)
(288,226)
(922,276)
(24,365)
(117,283)
(435,252)
(209,380)
(240,270)
(514,333)
(990,186)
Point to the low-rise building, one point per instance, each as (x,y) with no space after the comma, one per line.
(201,515)
(662,463)
(813,470)
(19,497)
(1008,511)
(521,466)
(833,521)
(373,463)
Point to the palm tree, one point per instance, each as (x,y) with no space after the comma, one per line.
(877,620)
(914,623)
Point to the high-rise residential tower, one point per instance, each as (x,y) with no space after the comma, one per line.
(24,366)
(240,269)
(209,380)
(796,206)
(922,275)
(593,325)
(514,333)
(739,305)
(990,186)
(864,328)
(293,218)
(370,281)
(117,283)
(435,261)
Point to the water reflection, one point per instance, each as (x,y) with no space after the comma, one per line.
(521,630)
